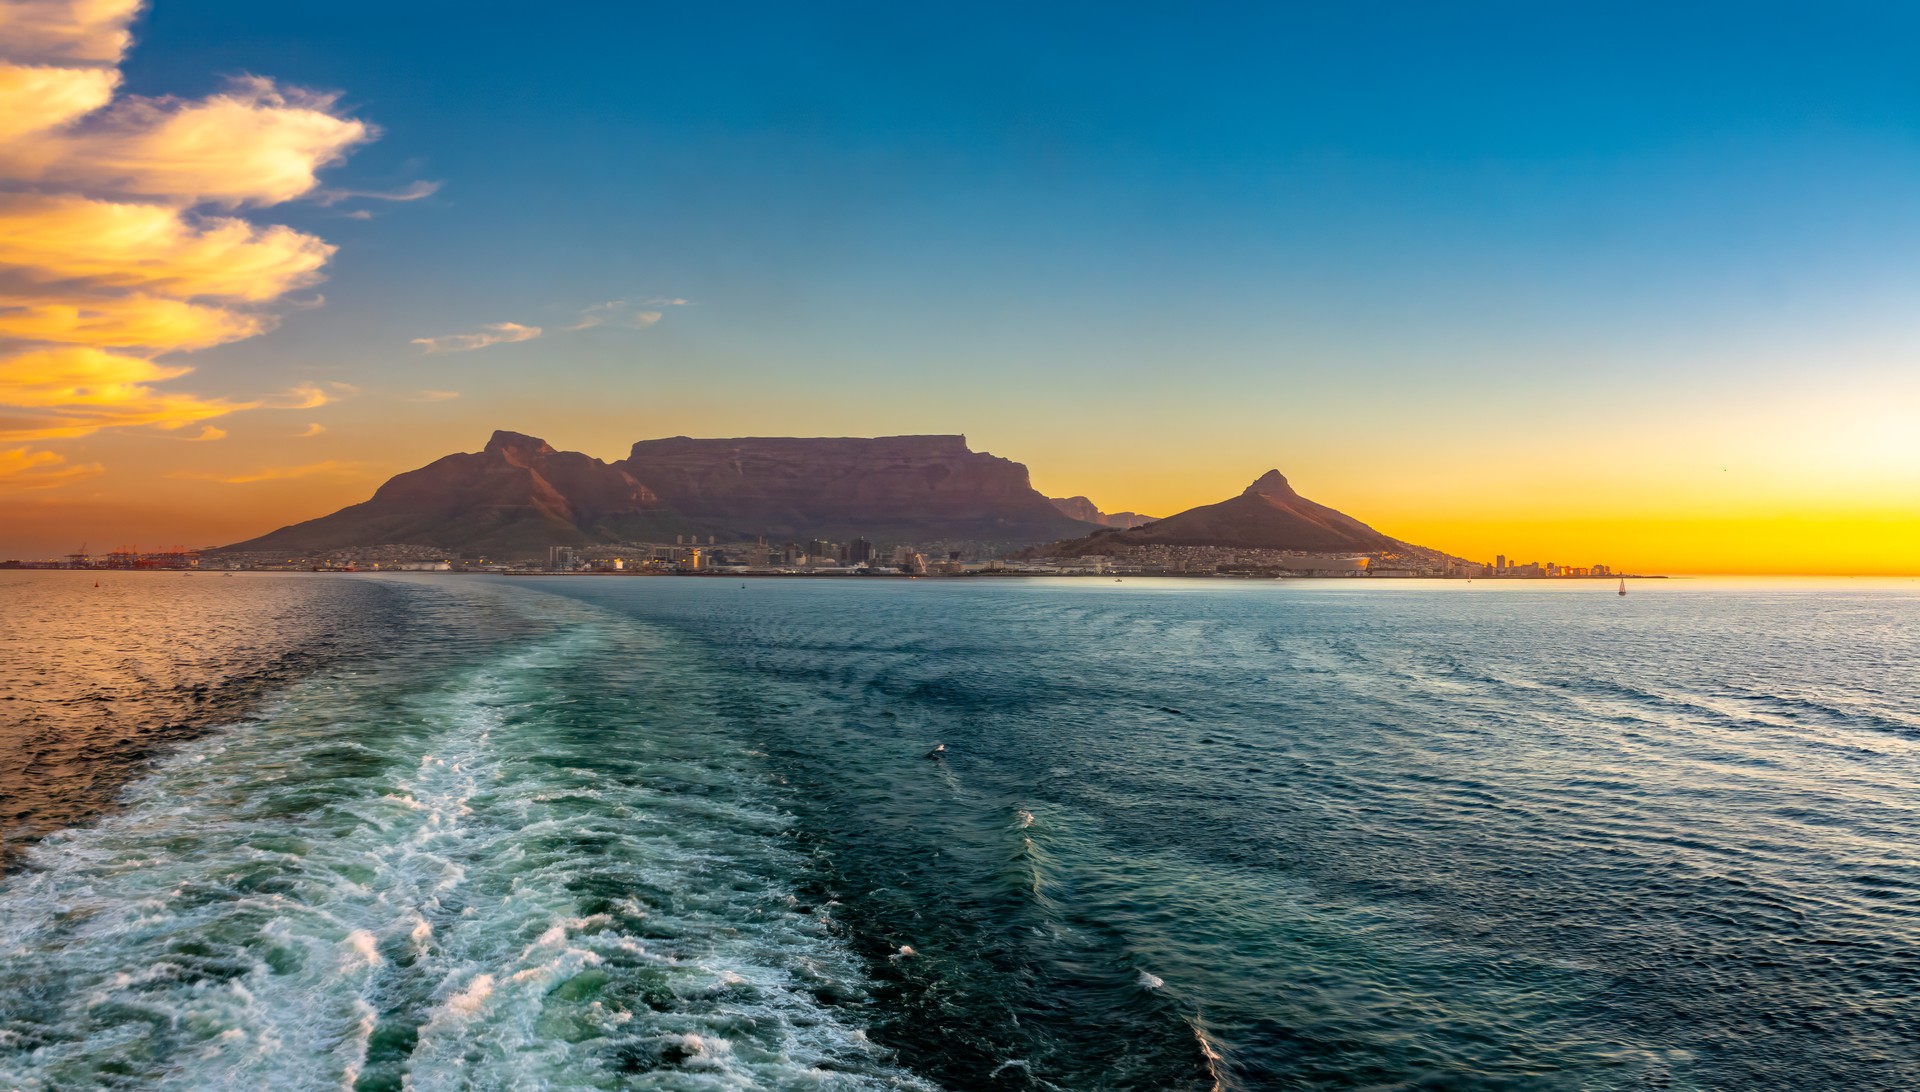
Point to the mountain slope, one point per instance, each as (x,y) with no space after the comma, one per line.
(1267,515)
(519,496)
(518,493)
(1086,511)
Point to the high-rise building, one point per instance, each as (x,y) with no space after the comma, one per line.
(859,551)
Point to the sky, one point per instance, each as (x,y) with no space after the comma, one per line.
(1627,283)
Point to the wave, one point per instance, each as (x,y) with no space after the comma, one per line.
(434,876)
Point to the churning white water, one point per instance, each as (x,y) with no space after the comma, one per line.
(477,863)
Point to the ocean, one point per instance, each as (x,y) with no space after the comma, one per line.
(383,832)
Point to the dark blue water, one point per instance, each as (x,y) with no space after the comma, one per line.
(684,834)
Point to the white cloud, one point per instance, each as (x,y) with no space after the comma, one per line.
(412,191)
(495,333)
(615,313)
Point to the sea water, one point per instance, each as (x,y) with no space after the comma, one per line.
(438,832)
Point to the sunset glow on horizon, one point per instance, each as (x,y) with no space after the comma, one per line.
(1566,288)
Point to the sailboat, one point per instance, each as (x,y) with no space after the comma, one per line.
(1623,585)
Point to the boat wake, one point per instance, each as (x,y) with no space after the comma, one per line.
(449,873)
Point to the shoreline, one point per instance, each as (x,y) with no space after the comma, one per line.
(1003,574)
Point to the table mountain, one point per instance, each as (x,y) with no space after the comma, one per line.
(898,488)
(519,495)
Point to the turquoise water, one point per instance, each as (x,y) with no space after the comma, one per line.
(685,834)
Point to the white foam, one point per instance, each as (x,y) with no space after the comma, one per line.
(470,1000)
(362,950)
(465,858)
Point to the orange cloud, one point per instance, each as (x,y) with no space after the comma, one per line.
(67,31)
(117,245)
(120,322)
(36,98)
(73,391)
(24,469)
(252,144)
(109,255)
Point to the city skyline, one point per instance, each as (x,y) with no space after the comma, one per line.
(1507,281)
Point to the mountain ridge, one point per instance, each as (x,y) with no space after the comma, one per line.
(1084,510)
(1267,515)
(520,494)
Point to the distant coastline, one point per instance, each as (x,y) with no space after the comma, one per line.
(833,574)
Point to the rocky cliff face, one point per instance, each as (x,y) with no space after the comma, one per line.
(1086,511)
(915,488)
(519,495)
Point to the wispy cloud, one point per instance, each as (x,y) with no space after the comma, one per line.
(117,242)
(125,322)
(312,430)
(208,434)
(274,473)
(670,301)
(432,396)
(311,395)
(21,468)
(495,333)
(412,191)
(615,313)
(69,391)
